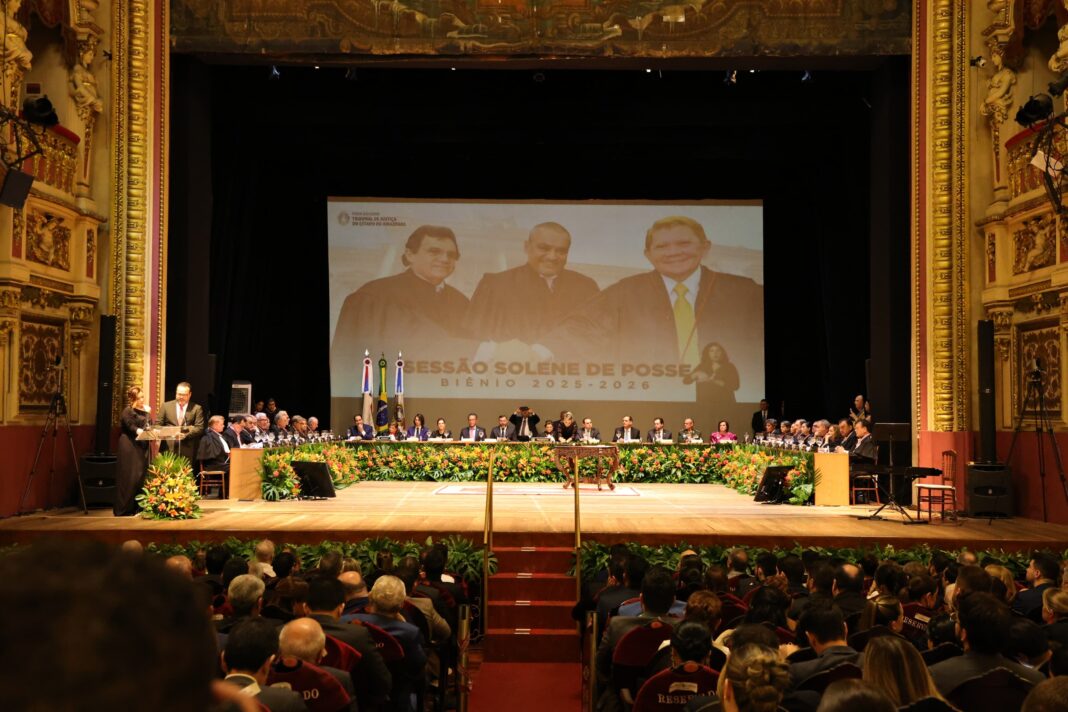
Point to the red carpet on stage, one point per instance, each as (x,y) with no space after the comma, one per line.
(527,687)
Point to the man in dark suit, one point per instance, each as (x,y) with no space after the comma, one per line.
(360,430)
(849,589)
(214,451)
(669,314)
(522,304)
(658,432)
(627,432)
(233,435)
(414,311)
(760,417)
(1042,573)
(326,599)
(863,450)
(472,431)
(280,427)
(526,423)
(189,416)
(588,433)
(504,429)
(825,629)
(250,650)
(248,429)
(657,595)
(846,437)
(983,627)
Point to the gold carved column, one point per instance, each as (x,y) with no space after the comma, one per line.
(139,167)
(941,321)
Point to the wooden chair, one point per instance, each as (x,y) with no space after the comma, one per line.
(212,478)
(997,689)
(861,481)
(943,493)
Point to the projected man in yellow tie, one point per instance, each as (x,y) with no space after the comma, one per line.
(668,315)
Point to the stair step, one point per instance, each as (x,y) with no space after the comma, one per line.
(532,645)
(529,614)
(533,559)
(532,587)
(538,539)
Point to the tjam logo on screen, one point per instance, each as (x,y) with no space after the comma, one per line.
(344,219)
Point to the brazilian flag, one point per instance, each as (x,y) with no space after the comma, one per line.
(382,406)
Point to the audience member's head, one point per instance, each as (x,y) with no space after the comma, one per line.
(848,578)
(893,665)
(355,586)
(658,591)
(1048,696)
(133,546)
(250,649)
(245,595)
(767,565)
(821,579)
(967,558)
(350,563)
(768,605)
(716,579)
(304,639)
(150,625)
(884,611)
(793,569)
(291,595)
(330,563)
(387,595)
(434,564)
(752,634)
(738,561)
(753,680)
(704,607)
(216,559)
(326,596)
(690,642)
(233,568)
(971,579)
(1044,568)
(181,565)
(983,622)
(824,626)
(284,563)
(1000,574)
(852,695)
(264,551)
(890,579)
(942,629)
(1054,604)
(923,590)
(1027,642)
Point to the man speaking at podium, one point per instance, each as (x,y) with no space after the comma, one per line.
(189,416)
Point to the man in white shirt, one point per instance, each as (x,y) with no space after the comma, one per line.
(187,415)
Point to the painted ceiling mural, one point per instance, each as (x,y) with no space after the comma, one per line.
(543,28)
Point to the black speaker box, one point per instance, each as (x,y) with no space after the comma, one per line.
(98,479)
(15,188)
(315,480)
(105,386)
(987,406)
(772,488)
(989,491)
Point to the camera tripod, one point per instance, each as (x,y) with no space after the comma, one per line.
(57,410)
(1043,429)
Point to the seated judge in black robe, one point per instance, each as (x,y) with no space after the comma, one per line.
(132,454)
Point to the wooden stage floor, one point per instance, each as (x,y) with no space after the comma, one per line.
(538,513)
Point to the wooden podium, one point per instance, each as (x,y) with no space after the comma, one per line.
(832,489)
(246,473)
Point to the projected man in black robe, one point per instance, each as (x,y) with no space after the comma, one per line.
(414,311)
(521,304)
(668,315)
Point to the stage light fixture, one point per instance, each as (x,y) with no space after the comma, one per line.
(40,111)
(977,61)
(648,71)
(274,73)
(731,77)
(350,74)
(316,66)
(1038,108)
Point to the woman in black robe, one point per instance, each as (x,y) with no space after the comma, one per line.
(133,454)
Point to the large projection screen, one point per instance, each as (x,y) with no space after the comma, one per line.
(604,309)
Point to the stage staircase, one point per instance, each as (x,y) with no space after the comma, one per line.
(530,600)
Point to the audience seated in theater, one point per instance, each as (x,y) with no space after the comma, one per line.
(250,651)
(889,580)
(245,599)
(264,554)
(303,639)
(767,565)
(355,594)
(286,601)
(737,568)
(383,610)
(754,680)
(848,589)
(619,591)
(893,665)
(686,674)
(793,569)
(435,560)
(657,595)
(1048,696)
(820,591)
(824,627)
(1043,572)
(883,612)
(1055,614)
(284,563)
(983,622)
(151,626)
(853,695)
(609,577)
(768,606)
(408,572)
(326,599)
(1028,644)
(181,565)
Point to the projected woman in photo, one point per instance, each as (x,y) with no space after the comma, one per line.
(414,311)
(716,377)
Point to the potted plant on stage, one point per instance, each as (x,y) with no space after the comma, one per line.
(170,491)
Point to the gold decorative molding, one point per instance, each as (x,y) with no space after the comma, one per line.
(1034,244)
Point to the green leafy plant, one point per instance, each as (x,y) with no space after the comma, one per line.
(170,492)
